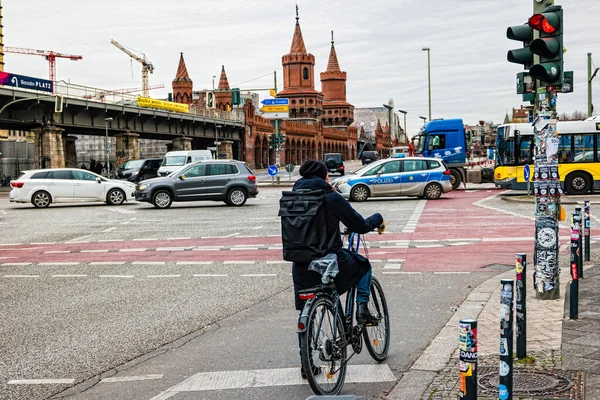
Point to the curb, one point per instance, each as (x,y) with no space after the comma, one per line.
(282,184)
(437,354)
(510,199)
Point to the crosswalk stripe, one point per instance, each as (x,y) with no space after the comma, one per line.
(221,380)
(41,381)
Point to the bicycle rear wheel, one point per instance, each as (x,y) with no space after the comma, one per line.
(377,338)
(324,347)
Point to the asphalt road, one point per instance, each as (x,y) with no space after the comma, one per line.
(88,295)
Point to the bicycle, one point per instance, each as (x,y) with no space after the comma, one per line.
(326,330)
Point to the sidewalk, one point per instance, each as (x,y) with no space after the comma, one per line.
(521,197)
(563,356)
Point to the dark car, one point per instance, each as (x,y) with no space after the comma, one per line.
(369,156)
(139,170)
(221,180)
(334,162)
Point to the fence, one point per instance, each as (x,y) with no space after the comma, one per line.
(15,156)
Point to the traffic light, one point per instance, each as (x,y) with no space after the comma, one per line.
(58,104)
(210,100)
(549,46)
(272,141)
(236,98)
(521,33)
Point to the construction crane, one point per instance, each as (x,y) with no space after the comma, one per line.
(102,95)
(147,66)
(50,55)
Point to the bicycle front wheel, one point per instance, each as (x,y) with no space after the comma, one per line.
(377,337)
(323,349)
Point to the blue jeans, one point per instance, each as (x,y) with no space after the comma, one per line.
(363,287)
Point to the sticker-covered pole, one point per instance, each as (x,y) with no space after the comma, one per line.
(577,221)
(575,255)
(586,229)
(468,359)
(521,305)
(505,388)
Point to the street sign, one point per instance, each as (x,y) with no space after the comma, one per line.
(268,109)
(289,167)
(279,115)
(526,173)
(275,102)
(273,170)
(26,82)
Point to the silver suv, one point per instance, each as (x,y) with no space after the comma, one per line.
(221,180)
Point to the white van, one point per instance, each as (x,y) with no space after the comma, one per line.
(175,159)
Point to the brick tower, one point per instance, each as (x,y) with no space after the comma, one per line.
(182,84)
(306,103)
(337,112)
(223,92)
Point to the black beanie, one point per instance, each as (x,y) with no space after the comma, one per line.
(313,168)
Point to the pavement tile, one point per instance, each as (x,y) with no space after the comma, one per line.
(579,350)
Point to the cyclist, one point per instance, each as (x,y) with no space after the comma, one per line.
(354,269)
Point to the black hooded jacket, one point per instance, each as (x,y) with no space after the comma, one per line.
(339,210)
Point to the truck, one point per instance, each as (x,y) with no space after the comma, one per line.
(447,139)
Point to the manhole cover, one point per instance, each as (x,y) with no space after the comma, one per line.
(557,384)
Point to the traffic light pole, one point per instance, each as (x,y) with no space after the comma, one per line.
(277,144)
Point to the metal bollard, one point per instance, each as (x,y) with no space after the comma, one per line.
(577,221)
(521,305)
(574,285)
(505,388)
(586,228)
(468,359)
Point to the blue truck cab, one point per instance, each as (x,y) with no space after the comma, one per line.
(445,139)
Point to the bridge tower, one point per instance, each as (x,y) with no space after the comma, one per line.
(182,84)
(223,92)
(306,103)
(337,112)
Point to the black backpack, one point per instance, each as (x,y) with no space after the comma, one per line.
(304,225)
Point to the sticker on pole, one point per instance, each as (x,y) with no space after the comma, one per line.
(273,170)
(502,392)
(526,173)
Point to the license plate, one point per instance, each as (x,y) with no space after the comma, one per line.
(332,170)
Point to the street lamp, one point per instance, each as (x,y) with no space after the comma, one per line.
(428,50)
(107,146)
(424,119)
(404,112)
(389,108)
(214,76)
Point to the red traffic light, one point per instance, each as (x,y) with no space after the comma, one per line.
(544,23)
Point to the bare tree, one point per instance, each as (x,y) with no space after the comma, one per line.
(576,116)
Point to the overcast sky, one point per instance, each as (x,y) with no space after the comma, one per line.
(378,43)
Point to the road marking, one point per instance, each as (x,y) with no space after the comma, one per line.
(148,263)
(258,275)
(163,276)
(131,378)
(233,234)
(257,227)
(404,272)
(77,241)
(137,249)
(21,276)
(11,244)
(426,246)
(194,262)
(208,275)
(411,225)
(222,380)
(79,238)
(239,262)
(94,251)
(112,240)
(125,223)
(139,240)
(171,248)
(42,243)
(392,266)
(57,251)
(243,248)
(122,210)
(179,238)
(451,272)
(110,229)
(17,264)
(278,262)
(115,276)
(59,263)
(69,276)
(107,263)
(513,239)
(41,381)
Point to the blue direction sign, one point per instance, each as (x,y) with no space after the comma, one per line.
(273,170)
(526,173)
(276,102)
(26,82)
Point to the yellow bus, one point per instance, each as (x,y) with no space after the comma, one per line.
(578,155)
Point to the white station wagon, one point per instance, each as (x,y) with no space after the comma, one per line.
(41,187)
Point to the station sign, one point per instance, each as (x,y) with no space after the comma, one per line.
(26,82)
(147,102)
(271,109)
(276,102)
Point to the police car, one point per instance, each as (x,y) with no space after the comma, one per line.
(409,176)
